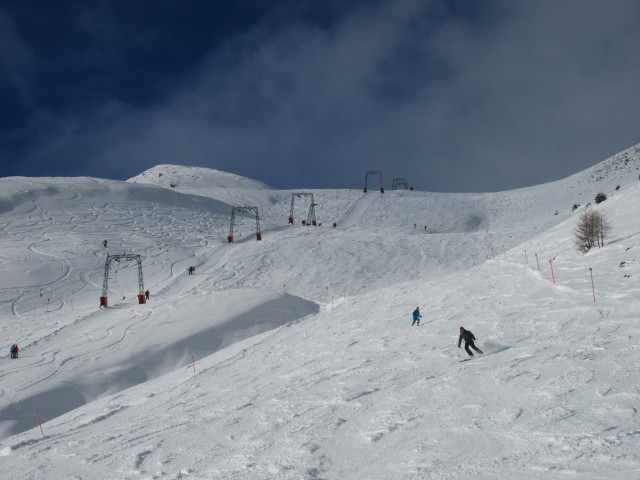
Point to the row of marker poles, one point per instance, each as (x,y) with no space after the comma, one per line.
(593,286)
(553,277)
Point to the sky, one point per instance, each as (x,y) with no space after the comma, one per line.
(451,95)
(294,357)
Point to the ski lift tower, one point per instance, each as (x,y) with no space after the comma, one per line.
(400,184)
(311,218)
(293,197)
(104,301)
(233,219)
(366,179)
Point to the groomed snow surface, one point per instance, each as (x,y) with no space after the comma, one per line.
(294,357)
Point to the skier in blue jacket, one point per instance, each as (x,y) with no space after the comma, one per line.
(416,317)
(468,338)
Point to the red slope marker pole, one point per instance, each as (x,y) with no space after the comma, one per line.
(553,277)
(193,362)
(537,262)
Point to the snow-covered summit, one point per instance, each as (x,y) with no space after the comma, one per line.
(195,180)
(225,187)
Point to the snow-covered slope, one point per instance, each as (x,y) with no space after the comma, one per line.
(294,357)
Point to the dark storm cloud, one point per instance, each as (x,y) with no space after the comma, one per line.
(453,96)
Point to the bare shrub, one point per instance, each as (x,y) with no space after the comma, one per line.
(591,230)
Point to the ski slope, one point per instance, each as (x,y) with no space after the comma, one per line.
(293,357)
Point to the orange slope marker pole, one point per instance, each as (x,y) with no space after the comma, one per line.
(40,422)
(593,288)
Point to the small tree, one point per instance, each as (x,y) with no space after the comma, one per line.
(591,230)
(601,197)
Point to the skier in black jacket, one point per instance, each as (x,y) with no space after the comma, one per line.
(468,338)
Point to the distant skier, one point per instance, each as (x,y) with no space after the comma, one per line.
(146,294)
(468,338)
(14,350)
(191,270)
(416,317)
(105,244)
